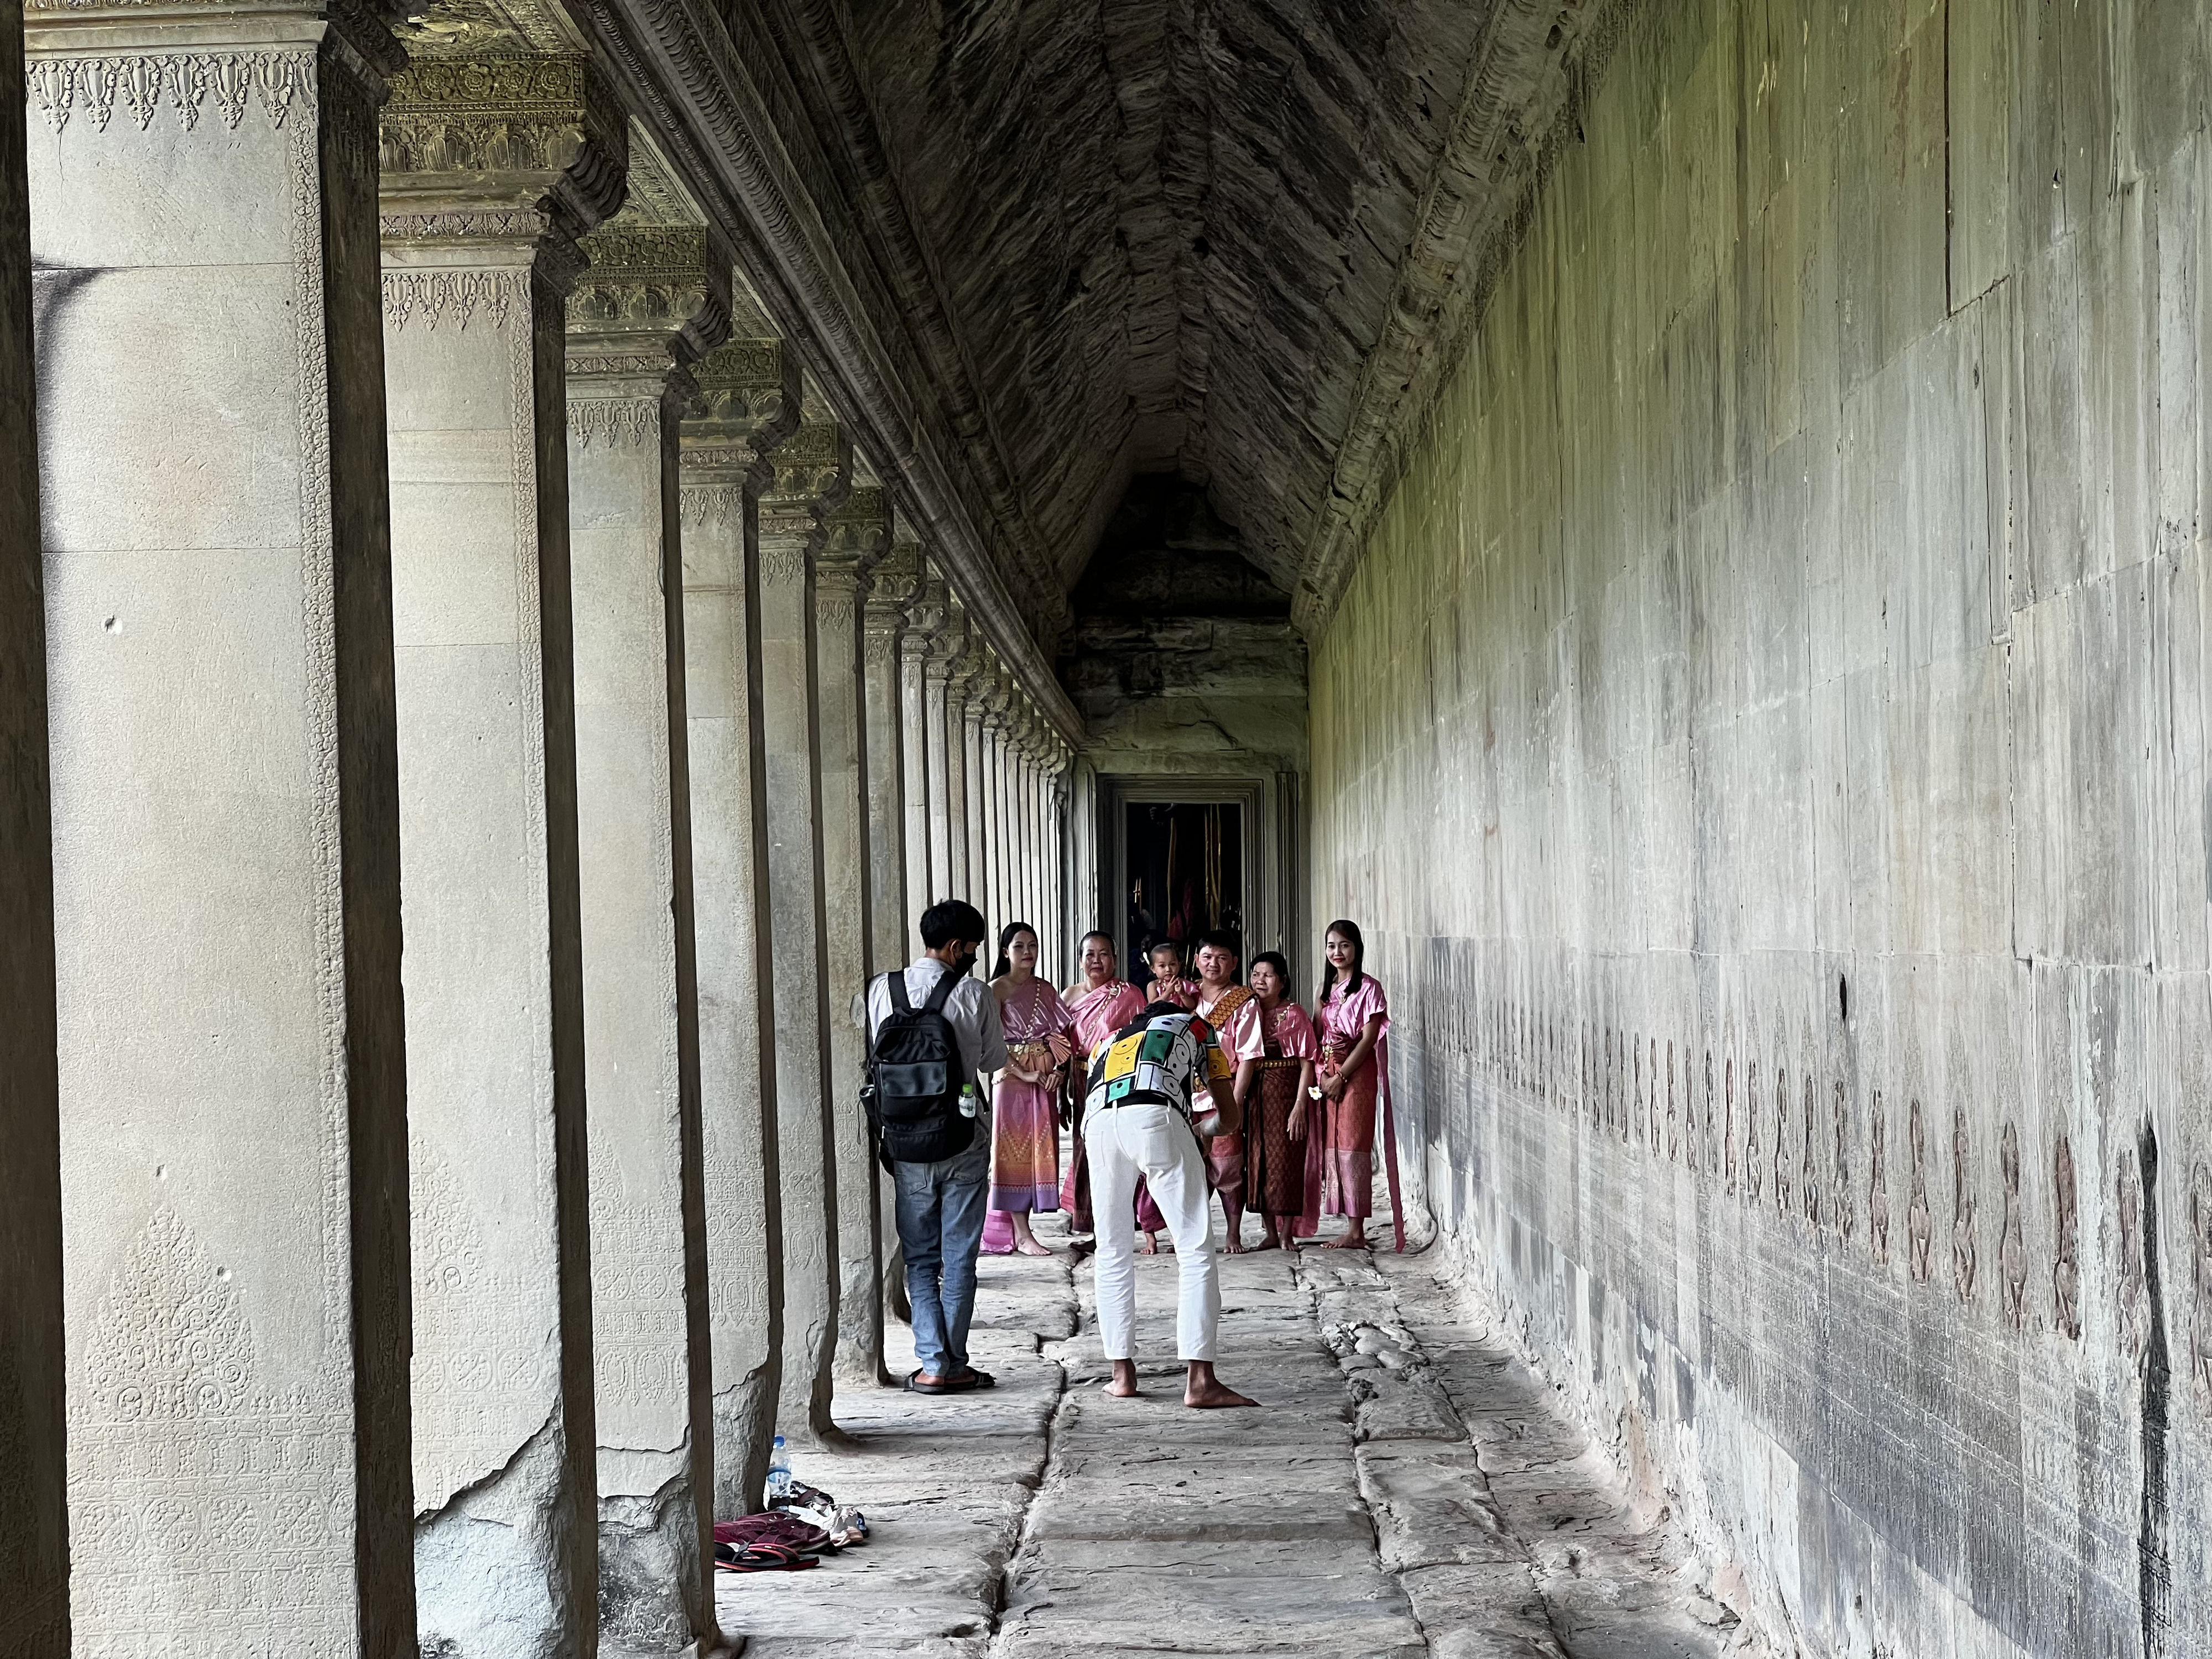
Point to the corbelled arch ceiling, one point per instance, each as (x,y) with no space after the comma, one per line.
(1028,250)
(1205,238)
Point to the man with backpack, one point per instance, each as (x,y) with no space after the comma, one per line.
(933,1026)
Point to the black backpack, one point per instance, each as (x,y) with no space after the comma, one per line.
(914,1074)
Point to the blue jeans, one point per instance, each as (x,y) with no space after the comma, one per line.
(940,1226)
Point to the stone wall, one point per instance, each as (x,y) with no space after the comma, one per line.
(1784,661)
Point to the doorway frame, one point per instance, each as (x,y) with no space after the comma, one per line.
(1268,832)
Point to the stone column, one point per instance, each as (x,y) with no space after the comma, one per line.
(859,532)
(34,1540)
(232,1068)
(812,470)
(476,268)
(747,403)
(989,792)
(655,298)
(891,907)
(944,721)
(924,617)
(959,763)
(970,802)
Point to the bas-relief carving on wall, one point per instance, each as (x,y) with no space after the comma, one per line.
(1811,1170)
(1964,1257)
(1878,1183)
(1843,1186)
(2012,1248)
(2134,1310)
(2065,1271)
(1782,1143)
(1919,1222)
(2200,1260)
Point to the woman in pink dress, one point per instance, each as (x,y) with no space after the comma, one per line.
(1098,1005)
(1354,1020)
(1278,1111)
(1025,1096)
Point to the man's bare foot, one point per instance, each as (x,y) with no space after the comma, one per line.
(1268,1241)
(1205,1392)
(1150,1247)
(1124,1384)
(1233,1247)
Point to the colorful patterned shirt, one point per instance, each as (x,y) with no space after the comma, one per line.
(1162,1062)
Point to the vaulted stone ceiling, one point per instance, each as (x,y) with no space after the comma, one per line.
(1169,234)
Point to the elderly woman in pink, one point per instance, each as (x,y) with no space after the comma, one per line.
(1353,1020)
(1098,1005)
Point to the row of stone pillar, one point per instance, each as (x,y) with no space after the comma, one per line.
(487,733)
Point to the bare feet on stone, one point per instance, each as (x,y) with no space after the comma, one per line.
(1123,1385)
(1032,1248)
(1355,1239)
(1203,1391)
(1150,1247)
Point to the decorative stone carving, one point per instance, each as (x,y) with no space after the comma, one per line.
(507,148)
(1963,1255)
(1877,1184)
(1810,1174)
(648,291)
(2135,1309)
(1782,1174)
(1919,1223)
(813,473)
(744,401)
(2065,1269)
(2012,1246)
(1843,1165)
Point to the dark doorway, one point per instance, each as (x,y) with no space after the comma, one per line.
(1186,869)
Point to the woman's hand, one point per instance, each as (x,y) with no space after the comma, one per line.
(1297,1129)
(1332,1086)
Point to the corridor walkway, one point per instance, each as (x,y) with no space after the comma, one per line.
(1406,1491)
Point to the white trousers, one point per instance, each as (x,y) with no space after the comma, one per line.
(1154,1142)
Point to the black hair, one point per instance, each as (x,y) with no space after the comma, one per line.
(1350,932)
(948,920)
(1096,933)
(1222,939)
(1271,960)
(1004,965)
(1154,1010)
(1174,945)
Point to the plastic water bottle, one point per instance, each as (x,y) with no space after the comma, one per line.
(968,1104)
(779,1473)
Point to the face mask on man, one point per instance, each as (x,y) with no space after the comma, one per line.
(963,965)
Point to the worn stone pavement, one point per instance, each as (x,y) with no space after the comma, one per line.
(1408,1488)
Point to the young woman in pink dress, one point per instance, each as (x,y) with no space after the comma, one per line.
(1279,1111)
(1025,1096)
(1098,1005)
(1355,1021)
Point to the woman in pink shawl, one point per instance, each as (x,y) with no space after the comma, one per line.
(1025,1099)
(1097,1006)
(1353,1021)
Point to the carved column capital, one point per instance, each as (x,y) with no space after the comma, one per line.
(88,59)
(947,631)
(652,293)
(892,587)
(653,298)
(525,149)
(856,534)
(745,402)
(811,474)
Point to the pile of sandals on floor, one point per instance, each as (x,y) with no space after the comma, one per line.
(795,1532)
